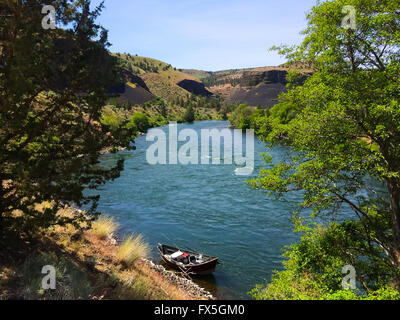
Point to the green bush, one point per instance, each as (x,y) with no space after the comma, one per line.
(313,267)
(189,115)
(244,117)
(140,121)
(71,283)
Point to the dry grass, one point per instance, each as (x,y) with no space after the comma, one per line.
(104,227)
(136,282)
(132,249)
(91,268)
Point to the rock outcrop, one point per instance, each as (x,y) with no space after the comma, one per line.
(254,78)
(194,87)
(255,87)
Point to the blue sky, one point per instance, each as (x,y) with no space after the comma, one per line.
(205,34)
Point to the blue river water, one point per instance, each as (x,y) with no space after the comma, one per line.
(207,208)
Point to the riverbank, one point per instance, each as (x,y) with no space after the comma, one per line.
(87,267)
(204,207)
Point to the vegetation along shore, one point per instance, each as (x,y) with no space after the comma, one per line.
(90,264)
(327,124)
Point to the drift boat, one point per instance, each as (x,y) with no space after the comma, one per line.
(190,262)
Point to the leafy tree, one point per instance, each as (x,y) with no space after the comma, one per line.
(189,115)
(244,118)
(224,115)
(313,266)
(163,110)
(236,118)
(114,101)
(141,121)
(343,126)
(119,127)
(53,85)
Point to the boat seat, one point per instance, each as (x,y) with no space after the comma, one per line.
(176,254)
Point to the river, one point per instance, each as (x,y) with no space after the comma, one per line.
(207,208)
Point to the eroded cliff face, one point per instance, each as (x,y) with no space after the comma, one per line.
(255,87)
(254,78)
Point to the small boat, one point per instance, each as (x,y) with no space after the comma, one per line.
(187,261)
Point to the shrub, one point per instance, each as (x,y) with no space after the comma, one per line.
(104,227)
(189,115)
(71,283)
(132,249)
(141,121)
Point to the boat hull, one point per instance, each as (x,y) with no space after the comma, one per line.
(200,269)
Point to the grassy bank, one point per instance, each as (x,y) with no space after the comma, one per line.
(89,264)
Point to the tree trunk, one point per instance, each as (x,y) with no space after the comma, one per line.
(1,209)
(394,192)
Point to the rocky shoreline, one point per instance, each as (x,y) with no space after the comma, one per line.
(187,285)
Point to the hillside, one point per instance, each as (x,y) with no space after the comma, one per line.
(147,79)
(132,90)
(198,74)
(254,86)
(162,79)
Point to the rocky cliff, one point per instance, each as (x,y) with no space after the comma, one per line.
(255,87)
(254,78)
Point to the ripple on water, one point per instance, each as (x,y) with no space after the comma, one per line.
(207,208)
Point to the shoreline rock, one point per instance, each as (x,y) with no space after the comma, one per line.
(108,150)
(172,277)
(183,283)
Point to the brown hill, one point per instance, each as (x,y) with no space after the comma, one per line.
(161,79)
(255,86)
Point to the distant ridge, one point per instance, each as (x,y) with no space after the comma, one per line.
(253,86)
(154,78)
(147,78)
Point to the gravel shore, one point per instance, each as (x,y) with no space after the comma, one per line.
(187,285)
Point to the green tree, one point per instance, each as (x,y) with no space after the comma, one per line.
(244,118)
(343,126)
(118,126)
(141,121)
(189,115)
(238,115)
(313,266)
(53,85)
